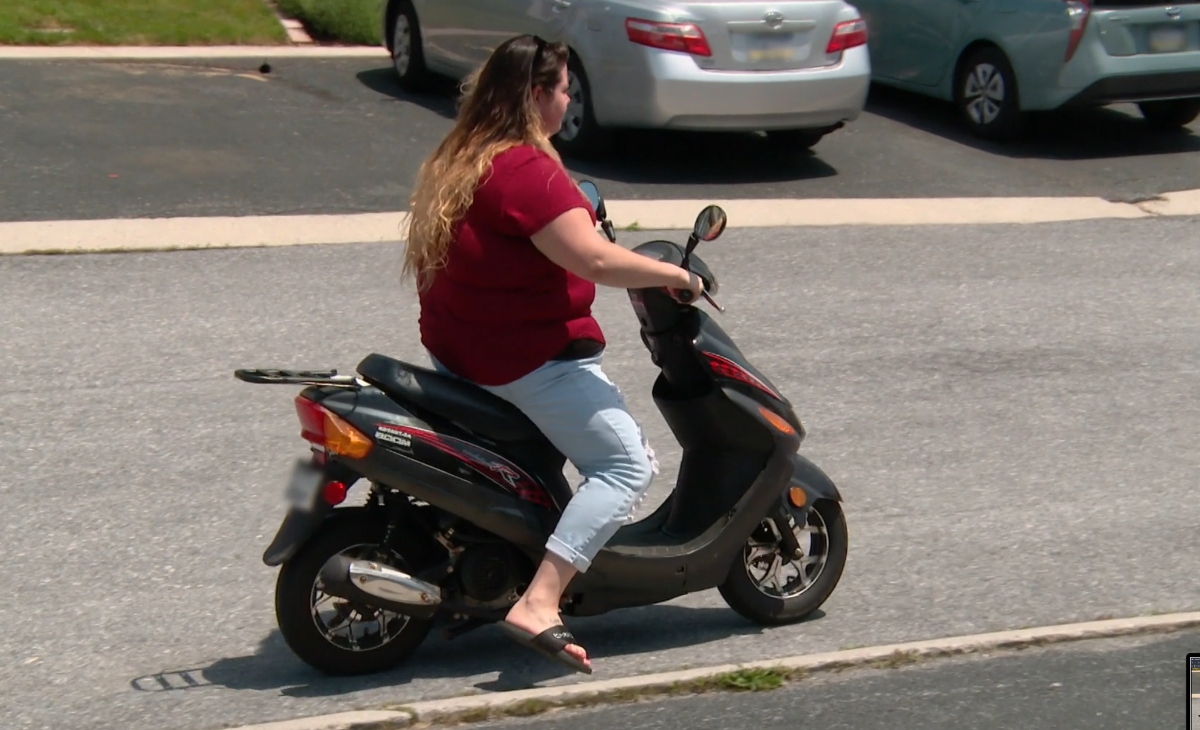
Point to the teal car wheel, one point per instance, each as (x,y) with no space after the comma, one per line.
(1170,115)
(987,95)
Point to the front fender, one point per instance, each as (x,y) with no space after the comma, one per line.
(816,484)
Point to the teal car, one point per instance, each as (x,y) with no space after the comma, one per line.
(998,59)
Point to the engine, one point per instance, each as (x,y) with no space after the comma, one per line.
(490,573)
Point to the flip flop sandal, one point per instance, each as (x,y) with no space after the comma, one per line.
(551,643)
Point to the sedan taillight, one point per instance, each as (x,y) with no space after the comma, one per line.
(683,37)
(847,34)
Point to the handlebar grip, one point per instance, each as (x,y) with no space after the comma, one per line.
(685,296)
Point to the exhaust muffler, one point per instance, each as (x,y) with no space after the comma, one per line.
(381,586)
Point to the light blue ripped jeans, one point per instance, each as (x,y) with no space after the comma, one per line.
(584,415)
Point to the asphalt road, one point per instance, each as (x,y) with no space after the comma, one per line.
(1116,684)
(135,139)
(1011,414)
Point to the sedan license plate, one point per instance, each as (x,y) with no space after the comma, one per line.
(771,47)
(303,486)
(1167,38)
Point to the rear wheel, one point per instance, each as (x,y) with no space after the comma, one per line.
(1171,115)
(770,588)
(334,635)
(987,95)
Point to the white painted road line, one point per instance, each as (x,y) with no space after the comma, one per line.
(134,234)
(435,710)
(151,53)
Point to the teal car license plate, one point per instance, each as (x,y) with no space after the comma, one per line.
(1167,38)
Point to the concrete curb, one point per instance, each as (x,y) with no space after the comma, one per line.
(482,707)
(156,234)
(150,53)
(149,234)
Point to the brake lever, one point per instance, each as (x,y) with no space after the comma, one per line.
(713,302)
(608,230)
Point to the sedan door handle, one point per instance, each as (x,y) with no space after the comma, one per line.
(563,4)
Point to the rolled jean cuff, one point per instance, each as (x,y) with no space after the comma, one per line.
(568,553)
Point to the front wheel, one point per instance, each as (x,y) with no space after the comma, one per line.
(334,635)
(769,588)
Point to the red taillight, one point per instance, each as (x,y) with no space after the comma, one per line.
(846,35)
(334,493)
(683,37)
(322,428)
(312,420)
(1078,11)
(729,369)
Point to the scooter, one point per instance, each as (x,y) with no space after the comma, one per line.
(465,490)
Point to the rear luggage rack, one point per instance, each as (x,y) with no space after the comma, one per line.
(298,377)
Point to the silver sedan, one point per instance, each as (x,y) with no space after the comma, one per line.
(796,69)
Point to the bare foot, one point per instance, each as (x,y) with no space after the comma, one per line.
(522,616)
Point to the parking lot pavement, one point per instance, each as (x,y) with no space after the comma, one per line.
(107,139)
(1010,414)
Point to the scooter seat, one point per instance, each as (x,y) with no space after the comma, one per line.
(470,406)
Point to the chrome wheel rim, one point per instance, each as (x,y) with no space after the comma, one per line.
(984,94)
(573,120)
(352,627)
(402,45)
(767,568)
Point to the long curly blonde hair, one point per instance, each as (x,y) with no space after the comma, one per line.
(496,112)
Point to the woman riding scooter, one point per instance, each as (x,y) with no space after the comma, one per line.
(504,249)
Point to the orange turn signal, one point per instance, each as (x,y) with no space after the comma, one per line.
(797,497)
(343,439)
(776,420)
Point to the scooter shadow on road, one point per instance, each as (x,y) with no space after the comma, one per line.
(1074,134)
(623,634)
(649,156)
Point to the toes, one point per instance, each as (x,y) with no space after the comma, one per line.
(578,652)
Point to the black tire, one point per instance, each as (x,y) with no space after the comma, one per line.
(1170,115)
(987,96)
(408,53)
(743,595)
(580,136)
(795,139)
(295,590)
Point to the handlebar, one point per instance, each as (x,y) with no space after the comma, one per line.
(685,295)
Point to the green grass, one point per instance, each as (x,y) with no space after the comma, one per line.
(138,22)
(339,21)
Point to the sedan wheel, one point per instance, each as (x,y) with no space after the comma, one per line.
(402,46)
(576,108)
(579,135)
(408,58)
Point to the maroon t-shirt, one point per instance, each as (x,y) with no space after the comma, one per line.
(499,309)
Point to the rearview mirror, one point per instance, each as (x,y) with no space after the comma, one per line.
(593,195)
(709,224)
